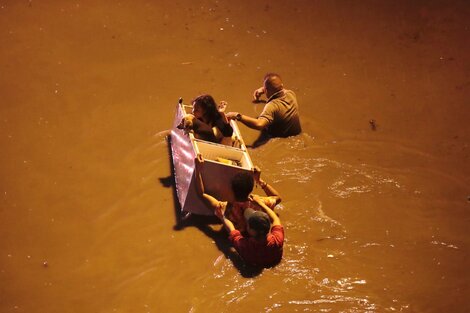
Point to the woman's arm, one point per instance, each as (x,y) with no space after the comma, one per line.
(224,127)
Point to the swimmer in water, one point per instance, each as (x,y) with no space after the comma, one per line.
(280,116)
(262,245)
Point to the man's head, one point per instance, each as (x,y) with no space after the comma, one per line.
(272,84)
(258,223)
(242,185)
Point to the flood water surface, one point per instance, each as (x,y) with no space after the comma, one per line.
(375,190)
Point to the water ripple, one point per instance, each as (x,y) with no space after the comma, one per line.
(360,180)
(327,303)
(447,245)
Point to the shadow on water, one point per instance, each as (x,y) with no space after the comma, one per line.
(262,139)
(220,238)
(203,223)
(169,182)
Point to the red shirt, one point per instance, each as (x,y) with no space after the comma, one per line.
(257,252)
(236,210)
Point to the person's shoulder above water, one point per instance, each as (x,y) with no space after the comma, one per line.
(290,93)
(280,116)
(277,235)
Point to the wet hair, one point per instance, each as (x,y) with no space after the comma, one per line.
(259,221)
(242,185)
(207,103)
(273,82)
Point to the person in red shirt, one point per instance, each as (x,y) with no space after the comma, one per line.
(263,247)
(242,186)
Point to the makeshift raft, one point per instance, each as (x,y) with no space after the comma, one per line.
(221,163)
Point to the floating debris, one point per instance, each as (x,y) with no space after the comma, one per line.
(447,245)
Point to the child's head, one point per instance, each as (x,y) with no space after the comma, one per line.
(258,223)
(242,185)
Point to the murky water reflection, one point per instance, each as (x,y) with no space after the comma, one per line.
(376,217)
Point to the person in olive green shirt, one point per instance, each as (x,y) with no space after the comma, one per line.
(280,116)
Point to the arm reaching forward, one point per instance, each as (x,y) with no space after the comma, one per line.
(273,216)
(255,123)
(267,188)
(210,201)
(217,206)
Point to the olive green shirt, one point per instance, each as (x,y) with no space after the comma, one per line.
(282,113)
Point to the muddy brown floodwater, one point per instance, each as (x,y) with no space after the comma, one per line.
(375,191)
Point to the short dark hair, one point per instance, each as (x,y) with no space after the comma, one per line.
(259,222)
(242,185)
(271,75)
(273,82)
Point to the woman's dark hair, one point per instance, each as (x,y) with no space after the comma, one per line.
(242,185)
(207,103)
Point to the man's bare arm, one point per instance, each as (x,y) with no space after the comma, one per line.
(267,188)
(227,223)
(273,216)
(255,123)
(210,201)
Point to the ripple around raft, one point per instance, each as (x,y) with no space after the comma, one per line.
(299,159)
(326,303)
